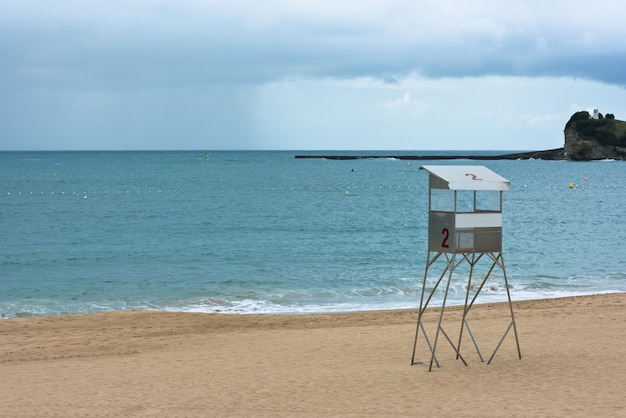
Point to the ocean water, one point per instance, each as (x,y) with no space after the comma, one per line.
(263,232)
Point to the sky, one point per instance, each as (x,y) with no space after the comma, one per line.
(305,74)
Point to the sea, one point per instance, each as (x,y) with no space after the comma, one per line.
(262,232)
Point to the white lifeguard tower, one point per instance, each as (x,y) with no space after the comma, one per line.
(464,226)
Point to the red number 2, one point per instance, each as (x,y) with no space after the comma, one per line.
(446,235)
(473,176)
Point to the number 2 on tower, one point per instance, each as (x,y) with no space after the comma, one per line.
(446,234)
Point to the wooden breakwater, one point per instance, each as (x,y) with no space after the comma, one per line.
(553,154)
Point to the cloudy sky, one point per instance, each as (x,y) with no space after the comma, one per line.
(305,74)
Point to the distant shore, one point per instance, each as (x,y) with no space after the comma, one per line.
(552,154)
(143,363)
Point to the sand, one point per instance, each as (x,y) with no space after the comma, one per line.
(142,363)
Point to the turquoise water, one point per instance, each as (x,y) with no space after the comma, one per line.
(263,232)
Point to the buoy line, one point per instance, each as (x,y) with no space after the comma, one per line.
(86,193)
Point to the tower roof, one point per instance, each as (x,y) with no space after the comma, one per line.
(465,177)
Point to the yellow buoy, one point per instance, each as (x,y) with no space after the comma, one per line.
(571,185)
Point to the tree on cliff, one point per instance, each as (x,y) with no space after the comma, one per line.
(582,115)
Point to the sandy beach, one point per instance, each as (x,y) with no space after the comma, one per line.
(142,363)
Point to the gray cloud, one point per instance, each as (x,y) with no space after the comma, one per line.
(154,71)
(137,44)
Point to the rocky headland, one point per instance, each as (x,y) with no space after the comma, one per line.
(587,137)
(594,137)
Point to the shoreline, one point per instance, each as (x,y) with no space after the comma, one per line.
(155,363)
(450,304)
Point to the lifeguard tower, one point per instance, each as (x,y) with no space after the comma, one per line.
(464,227)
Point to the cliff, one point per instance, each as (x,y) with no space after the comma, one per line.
(596,138)
(578,148)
